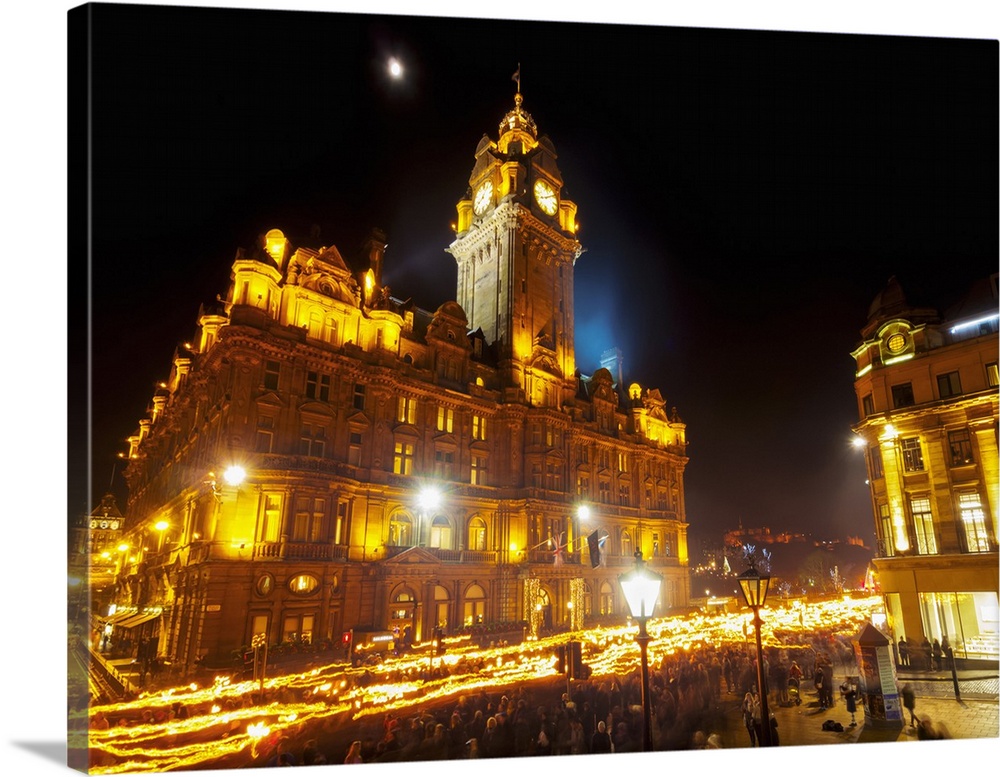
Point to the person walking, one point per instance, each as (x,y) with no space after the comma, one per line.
(909,701)
(750,704)
(904,652)
(936,653)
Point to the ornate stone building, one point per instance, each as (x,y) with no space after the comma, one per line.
(323,456)
(927,390)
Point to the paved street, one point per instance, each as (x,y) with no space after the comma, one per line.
(974,717)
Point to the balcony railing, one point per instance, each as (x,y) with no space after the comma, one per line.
(309,551)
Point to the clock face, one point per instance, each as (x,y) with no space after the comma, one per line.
(484,196)
(545,197)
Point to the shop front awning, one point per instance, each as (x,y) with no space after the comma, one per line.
(138,619)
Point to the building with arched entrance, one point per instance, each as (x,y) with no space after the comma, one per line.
(323,455)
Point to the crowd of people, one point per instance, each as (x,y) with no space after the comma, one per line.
(924,654)
(691,693)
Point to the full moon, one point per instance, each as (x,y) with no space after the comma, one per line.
(395,68)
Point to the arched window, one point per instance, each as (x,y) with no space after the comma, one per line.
(440,533)
(626,542)
(400,530)
(477,534)
(607,599)
(442,603)
(474,611)
(403,605)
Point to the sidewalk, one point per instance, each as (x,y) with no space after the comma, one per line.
(974,717)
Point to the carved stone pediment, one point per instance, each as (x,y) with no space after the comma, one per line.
(270,399)
(411,556)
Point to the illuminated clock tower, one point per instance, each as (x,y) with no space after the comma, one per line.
(516,247)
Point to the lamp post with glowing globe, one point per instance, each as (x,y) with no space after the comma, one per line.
(641,587)
(754,586)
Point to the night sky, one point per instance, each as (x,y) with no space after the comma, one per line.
(743,197)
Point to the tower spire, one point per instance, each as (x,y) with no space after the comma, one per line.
(517,78)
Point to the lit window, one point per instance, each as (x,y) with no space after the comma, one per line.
(474,609)
(440,533)
(478,474)
(992,376)
(309,519)
(303,584)
(477,534)
(478,427)
(340,527)
(446,419)
(406,410)
(607,599)
(960,445)
(400,530)
(626,543)
(886,531)
(402,462)
(913,457)
(923,524)
(974,523)
(272,518)
(298,629)
(896,343)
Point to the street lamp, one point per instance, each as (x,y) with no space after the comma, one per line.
(234,475)
(161,527)
(428,500)
(641,587)
(754,586)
